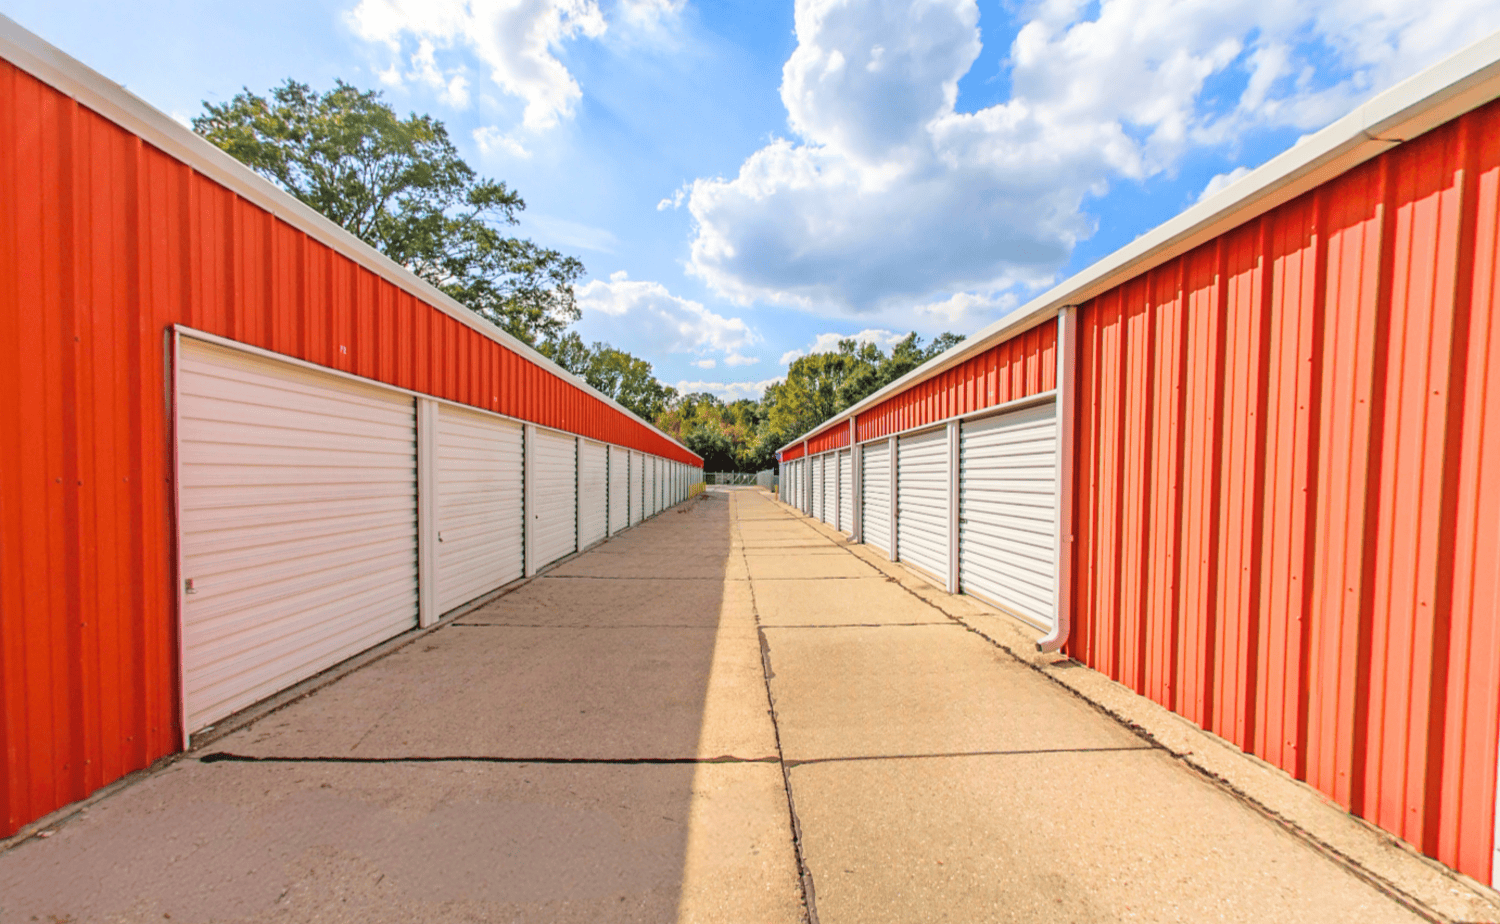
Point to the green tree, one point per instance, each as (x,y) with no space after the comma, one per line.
(723,434)
(400,185)
(821,385)
(627,379)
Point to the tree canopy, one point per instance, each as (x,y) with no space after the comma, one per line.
(627,379)
(401,185)
(725,434)
(821,385)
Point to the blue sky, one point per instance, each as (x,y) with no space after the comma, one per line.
(747,180)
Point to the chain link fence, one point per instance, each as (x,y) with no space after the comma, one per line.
(766,479)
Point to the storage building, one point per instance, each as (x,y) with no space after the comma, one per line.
(240,446)
(1248,465)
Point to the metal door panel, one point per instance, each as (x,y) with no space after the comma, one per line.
(1008,511)
(298,523)
(593,493)
(619,489)
(554,522)
(479,515)
(922,501)
(876,515)
(846,491)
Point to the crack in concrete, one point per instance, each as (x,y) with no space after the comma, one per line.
(226,757)
(866,625)
(529,625)
(804,874)
(1017,752)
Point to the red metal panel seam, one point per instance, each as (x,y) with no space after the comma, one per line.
(75,260)
(1452,406)
(1374,476)
(1257,504)
(1215,435)
(1312,465)
(1468,831)
(1114,474)
(1177,442)
(13,783)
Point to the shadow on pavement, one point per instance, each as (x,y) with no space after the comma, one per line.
(592,746)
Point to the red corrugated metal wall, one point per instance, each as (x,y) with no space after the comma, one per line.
(829,439)
(794,452)
(1018,368)
(105,243)
(1288,475)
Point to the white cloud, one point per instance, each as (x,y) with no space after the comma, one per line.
(515,40)
(1222,181)
(731,391)
(650,14)
(829,342)
(452,86)
(491,139)
(889,196)
(674,201)
(966,310)
(735,359)
(624,310)
(885,339)
(704,363)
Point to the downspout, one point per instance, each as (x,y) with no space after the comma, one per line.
(1067,367)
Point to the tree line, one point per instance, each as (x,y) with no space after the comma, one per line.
(401,186)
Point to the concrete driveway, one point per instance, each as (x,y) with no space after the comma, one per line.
(722,715)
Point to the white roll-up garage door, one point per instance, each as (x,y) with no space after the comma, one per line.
(876,516)
(1007,536)
(651,476)
(593,492)
(816,483)
(479,516)
(619,489)
(554,526)
(831,488)
(637,487)
(846,490)
(298,524)
(922,501)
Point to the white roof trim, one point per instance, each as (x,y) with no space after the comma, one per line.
(1462,82)
(89,88)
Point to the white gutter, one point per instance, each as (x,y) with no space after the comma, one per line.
(1458,84)
(89,88)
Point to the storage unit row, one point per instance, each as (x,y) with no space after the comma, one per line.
(321,514)
(239,443)
(973,503)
